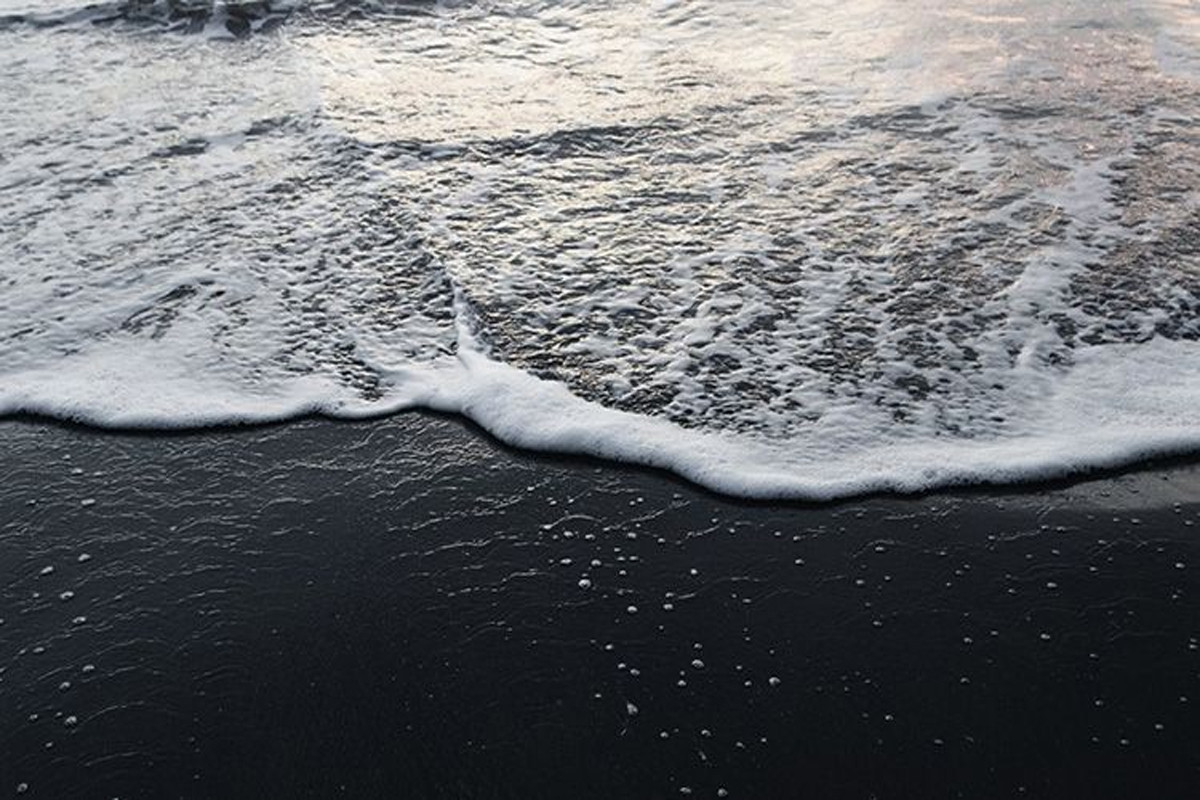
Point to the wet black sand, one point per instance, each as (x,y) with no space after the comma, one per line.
(393,609)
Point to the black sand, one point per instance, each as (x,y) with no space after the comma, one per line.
(393,609)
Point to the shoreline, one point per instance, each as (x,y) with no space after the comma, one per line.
(405,607)
(1168,461)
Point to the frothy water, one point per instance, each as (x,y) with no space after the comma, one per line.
(784,249)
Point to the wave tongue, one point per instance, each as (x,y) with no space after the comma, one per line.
(738,277)
(1100,416)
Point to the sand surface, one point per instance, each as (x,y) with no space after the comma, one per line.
(404,609)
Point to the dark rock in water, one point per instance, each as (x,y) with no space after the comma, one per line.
(238,26)
(242,16)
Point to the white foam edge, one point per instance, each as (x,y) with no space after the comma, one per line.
(1091,422)
(1120,405)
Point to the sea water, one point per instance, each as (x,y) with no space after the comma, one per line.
(785,249)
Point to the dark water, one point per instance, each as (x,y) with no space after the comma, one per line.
(394,609)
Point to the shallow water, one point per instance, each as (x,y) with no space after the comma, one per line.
(781,248)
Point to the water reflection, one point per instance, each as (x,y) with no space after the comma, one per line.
(458,73)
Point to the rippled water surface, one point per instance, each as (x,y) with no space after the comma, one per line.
(783,248)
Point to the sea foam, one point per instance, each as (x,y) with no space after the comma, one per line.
(1118,405)
(890,263)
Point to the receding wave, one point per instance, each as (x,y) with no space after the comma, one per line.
(657,234)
